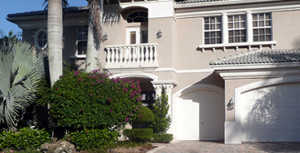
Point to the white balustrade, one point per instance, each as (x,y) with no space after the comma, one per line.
(133,55)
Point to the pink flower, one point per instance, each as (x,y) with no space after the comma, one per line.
(87,131)
(91,95)
(115,98)
(76,84)
(57,88)
(137,107)
(138,99)
(80,79)
(109,99)
(127,119)
(123,84)
(112,106)
(92,83)
(98,81)
(134,109)
(125,89)
(140,115)
(61,76)
(76,73)
(110,110)
(11,151)
(130,114)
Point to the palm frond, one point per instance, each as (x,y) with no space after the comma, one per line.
(20,70)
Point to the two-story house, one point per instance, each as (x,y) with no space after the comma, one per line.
(230,67)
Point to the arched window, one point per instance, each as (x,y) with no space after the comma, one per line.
(139,16)
(40,39)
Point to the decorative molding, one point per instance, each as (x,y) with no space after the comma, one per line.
(139,75)
(238,11)
(184,71)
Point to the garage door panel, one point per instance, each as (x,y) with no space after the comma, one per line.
(271,114)
(202,106)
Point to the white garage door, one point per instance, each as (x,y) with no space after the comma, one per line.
(201,116)
(271,114)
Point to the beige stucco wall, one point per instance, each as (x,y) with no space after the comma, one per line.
(286,29)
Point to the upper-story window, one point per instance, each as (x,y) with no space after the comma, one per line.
(40,39)
(237,28)
(262,27)
(139,16)
(82,33)
(212,30)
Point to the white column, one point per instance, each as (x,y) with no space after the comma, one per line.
(168,89)
(249,27)
(158,90)
(224,24)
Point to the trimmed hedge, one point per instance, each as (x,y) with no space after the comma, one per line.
(138,135)
(24,139)
(144,116)
(162,138)
(93,139)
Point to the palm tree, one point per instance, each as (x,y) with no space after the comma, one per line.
(55,32)
(94,33)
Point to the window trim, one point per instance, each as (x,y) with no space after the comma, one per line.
(76,52)
(248,43)
(36,39)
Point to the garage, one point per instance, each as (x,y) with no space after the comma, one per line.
(201,115)
(271,114)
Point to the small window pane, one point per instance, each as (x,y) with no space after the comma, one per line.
(236,25)
(212,20)
(207,41)
(236,18)
(237,39)
(218,26)
(268,23)
(261,23)
(206,34)
(261,31)
(212,27)
(255,31)
(230,33)
(254,17)
(268,31)
(231,40)
(268,16)
(213,41)
(262,38)
(230,19)
(243,32)
(230,25)
(261,16)
(206,20)
(243,17)
(237,32)
(218,40)
(268,38)
(206,26)
(212,34)
(218,19)
(255,38)
(243,25)
(254,23)
(219,34)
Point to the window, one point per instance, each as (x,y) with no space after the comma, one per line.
(139,16)
(212,30)
(40,39)
(236,28)
(262,27)
(82,33)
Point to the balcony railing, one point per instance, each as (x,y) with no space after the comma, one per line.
(131,56)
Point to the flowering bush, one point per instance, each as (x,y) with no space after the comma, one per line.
(91,100)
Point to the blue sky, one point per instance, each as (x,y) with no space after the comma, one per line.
(17,6)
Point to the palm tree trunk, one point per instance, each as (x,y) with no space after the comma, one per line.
(55,32)
(93,42)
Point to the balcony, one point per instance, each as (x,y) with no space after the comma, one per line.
(131,58)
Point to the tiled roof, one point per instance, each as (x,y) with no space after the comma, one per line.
(201,1)
(44,12)
(260,57)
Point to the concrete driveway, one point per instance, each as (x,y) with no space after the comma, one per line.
(218,147)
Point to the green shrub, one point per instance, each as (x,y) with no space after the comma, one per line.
(162,120)
(93,101)
(162,138)
(93,139)
(24,139)
(138,135)
(144,117)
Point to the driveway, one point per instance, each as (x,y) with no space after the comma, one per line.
(218,147)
